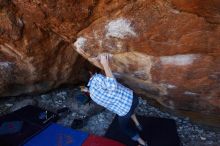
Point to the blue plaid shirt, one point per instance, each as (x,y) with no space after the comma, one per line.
(110,94)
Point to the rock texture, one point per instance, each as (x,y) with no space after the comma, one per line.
(35,55)
(168,50)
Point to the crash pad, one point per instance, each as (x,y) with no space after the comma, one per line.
(156,131)
(22,124)
(93,140)
(57,135)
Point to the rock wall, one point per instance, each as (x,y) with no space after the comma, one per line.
(35,56)
(168,50)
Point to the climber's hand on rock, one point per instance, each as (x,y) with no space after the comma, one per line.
(104,59)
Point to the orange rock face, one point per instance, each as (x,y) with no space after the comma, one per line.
(168,50)
(35,54)
(162,51)
(210,10)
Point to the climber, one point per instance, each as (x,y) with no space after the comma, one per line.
(107,92)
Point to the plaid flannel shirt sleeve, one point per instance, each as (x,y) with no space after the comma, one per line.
(111,83)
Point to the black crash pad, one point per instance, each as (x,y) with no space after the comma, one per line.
(156,131)
(33,120)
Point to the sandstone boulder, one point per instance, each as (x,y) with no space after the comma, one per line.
(35,56)
(162,51)
(168,50)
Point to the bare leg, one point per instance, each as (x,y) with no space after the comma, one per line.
(134,118)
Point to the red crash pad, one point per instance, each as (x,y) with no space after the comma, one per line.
(93,140)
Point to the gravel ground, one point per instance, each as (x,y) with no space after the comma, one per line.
(190,134)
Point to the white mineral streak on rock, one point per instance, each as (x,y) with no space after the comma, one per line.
(119,28)
(175,11)
(164,88)
(5,65)
(169,86)
(179,60)
(190,93)
(80,42)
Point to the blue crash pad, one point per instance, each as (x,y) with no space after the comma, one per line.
(57,135)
